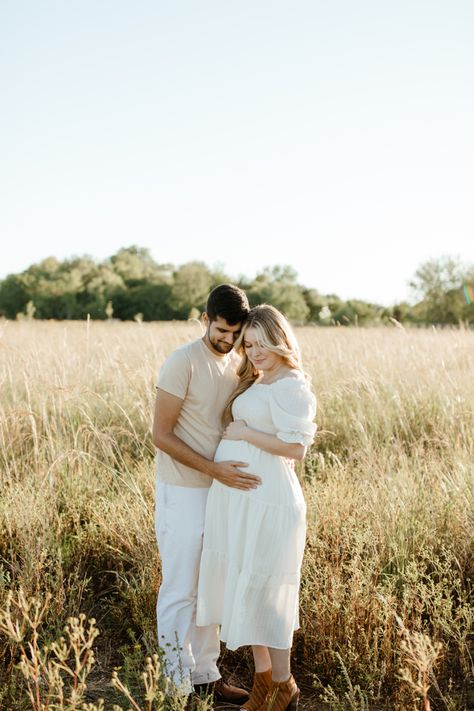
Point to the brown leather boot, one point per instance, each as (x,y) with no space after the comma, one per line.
(262,682)
(221,690)
(283,696)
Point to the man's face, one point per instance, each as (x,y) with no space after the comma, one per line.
(221,336)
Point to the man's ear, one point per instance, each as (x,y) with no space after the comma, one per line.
(204,319)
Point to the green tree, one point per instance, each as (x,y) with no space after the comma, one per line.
(278,286)
(71,289)
(439,284)
(402,312)
(219,276)
(315,303)
(146,285)
(97,287)
(191,285)
(152,300)
(51,288)
(14,295)
(358,313)
(136,265)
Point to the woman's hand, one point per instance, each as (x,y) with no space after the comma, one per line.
(236,430)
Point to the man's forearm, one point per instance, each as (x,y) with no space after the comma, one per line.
(184,454)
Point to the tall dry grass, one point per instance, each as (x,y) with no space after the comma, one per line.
(386,601)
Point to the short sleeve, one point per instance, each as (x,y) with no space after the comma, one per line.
(175,374)
(293,407)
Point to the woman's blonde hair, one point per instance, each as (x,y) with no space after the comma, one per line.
(273,333)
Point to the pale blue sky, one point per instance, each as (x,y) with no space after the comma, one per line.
(337,137)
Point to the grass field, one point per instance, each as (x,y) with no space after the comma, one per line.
(387,594)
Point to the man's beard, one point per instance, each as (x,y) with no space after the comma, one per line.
(219,346)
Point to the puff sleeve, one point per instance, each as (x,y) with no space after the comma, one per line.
(293,407)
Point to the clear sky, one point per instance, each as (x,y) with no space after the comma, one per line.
(337,137)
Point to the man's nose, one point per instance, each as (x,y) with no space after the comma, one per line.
(229,338)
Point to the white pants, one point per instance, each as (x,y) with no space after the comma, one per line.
(191,652)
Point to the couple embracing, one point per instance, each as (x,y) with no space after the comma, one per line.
(233,411)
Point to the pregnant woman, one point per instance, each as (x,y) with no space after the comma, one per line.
(254,540)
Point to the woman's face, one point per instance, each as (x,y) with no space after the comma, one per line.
(261,358)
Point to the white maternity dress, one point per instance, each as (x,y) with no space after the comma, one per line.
(254,540)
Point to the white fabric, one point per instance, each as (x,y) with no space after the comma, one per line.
(190,652)
(292,409)
(254,540)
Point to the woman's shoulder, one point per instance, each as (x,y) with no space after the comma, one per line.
(293,380)
(293,386)
(293,395)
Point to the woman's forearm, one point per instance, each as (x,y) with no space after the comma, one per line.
(273,445)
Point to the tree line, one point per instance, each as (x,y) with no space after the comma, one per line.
(132,285)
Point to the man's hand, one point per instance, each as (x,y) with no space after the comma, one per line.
(167,411)
(228,473)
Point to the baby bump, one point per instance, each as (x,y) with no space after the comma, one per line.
(279,485)
(232,449)
(258,462)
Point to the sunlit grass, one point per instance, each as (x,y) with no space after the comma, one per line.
(390,489)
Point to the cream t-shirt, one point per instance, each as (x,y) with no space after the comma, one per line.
(204,381)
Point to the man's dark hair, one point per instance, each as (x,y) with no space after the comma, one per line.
(228,302)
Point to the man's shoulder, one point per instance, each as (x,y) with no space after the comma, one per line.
(177,369)
(185,351)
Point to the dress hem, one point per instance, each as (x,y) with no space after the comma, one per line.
(257,643)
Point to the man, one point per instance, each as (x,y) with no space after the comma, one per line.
(193,387)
